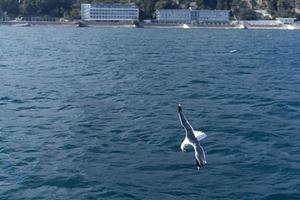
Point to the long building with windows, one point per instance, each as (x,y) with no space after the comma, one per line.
(191,16)
(109,12)
(174,15)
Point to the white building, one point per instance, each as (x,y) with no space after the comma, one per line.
(188,15)
(210,15)
(109,12)
(174,15)
(285,20)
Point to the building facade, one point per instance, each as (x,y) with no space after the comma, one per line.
(174,15)
(109,12)
(210,15)
(191,16)
(286,20)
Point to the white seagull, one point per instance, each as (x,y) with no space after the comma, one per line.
(192,138)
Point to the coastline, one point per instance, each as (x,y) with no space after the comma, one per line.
(230,25)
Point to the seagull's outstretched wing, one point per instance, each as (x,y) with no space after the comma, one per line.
(184,122)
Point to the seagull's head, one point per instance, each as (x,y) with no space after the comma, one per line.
(179,107)
(200,160)
(200,163)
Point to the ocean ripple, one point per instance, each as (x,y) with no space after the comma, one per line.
(95,117)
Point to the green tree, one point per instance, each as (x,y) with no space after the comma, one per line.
(10,6)
(200,3)
(242,11)
(220,4)
(71,8)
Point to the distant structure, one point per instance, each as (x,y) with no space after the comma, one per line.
(174,15)
(39,19)
(192,16)
(285,20)
(109,12)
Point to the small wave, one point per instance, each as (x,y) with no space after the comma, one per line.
(18,101)
(199,82)
(280,196)
(65,107)
(69,146)
(76,181)
(39,98)
(3,66)
(5,98)
(89,74)
(31,108)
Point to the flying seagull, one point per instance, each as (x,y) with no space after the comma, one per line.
(192,138)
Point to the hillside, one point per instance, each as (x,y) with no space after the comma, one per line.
(241,9)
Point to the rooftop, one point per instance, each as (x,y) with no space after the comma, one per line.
(113,5)
(205,10)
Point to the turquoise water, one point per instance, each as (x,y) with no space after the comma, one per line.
(92,113)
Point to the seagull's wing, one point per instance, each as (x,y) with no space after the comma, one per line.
(200,154)
(200,135)
(184,122)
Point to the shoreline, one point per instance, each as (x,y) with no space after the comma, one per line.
(295,26)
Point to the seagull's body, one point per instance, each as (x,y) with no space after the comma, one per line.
(192,138)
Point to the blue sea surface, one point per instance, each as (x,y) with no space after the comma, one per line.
(92,113)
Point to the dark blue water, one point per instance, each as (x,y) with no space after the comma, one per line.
(92,113)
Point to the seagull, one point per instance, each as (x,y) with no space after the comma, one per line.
(192,138)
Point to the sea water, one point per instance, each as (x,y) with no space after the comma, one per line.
(92,113)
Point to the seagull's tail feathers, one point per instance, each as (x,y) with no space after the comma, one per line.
(200,135)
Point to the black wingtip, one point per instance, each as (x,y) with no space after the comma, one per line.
(198,164)
(179,107)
